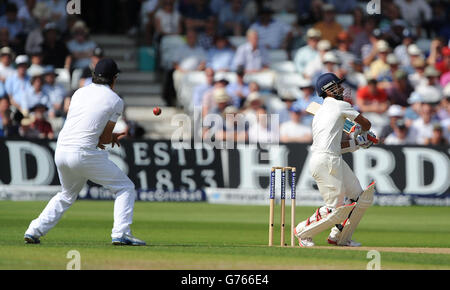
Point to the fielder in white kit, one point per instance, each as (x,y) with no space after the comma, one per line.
(92,115)
(345,200)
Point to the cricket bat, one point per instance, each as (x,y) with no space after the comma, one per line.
(348,125)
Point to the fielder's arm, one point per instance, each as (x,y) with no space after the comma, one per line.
(108,137)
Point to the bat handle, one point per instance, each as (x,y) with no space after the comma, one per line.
(373,139)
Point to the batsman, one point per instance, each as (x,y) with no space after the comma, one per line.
(345,200)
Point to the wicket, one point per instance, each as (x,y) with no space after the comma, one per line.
(283,204)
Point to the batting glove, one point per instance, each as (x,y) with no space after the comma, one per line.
(355,131)
(363,141)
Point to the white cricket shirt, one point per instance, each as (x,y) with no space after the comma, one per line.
(328,124)
(90,109)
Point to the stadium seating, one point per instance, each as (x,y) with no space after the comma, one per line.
(169,44)
(283,67)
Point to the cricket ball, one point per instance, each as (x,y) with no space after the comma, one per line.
(157,111)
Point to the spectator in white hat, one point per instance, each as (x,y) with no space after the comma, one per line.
(380,65)
(308,52)
(81,47)
(400,135)
(395,113)
(422,128)
(412,112)
(6,67)
(316,64)
(34,94)
(16,84)
(431,90)
(417,77)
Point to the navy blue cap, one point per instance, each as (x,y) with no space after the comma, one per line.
(106,68)
(325,81)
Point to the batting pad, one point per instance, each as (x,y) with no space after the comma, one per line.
(364,201)
(335,217)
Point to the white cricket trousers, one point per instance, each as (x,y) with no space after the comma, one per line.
(334,178)
(74,169)
(335,181)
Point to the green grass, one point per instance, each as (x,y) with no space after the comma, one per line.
(205,236)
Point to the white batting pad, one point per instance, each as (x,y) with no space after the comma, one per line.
(337,216)
(364,201)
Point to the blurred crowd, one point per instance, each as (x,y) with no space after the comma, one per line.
(396,64)
(251,58)
(40,48)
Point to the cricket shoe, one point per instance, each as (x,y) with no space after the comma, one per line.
(350,243)
(128,240)
(304,243)
(29,239)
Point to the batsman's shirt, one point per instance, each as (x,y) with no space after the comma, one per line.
(91,107)
(328,124)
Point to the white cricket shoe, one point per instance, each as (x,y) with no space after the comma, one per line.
(350,243)
(306,242)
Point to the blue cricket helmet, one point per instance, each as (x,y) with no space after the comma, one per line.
(325,82)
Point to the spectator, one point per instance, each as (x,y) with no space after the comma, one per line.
(252,104)
(189,57)
(308,96)
(401,50)
(445,122)
(436,51)
(414,53)
(4,38)
(148,10)
(444,66)
(386,78)
(294,130)
(54,91)
(400,135)
(41,15)
(86,75)
(58,12)
(400,90)
(54,50)
(308,52)
(417,78)
(239,90)
(437,138)
(358,22)
(380,64)
(6,67)
(26,130)
(25,15)
(288,100)
(40,123)
(364,42)
(249,55)
(412,112)
(355,77)
(431,90)
(372,99)
(331,64)
(235,129)
(220,101)
(167,20)
(207,36)
(316,65)
(329,28)
(413,11)
(395,113)
(80,46)
(197,15)
(232,20)
(17,84)
(200,90)
(273,34)
(422,128)
(343,52)
(220,57)
(209,101)
(34,94)
(261,130)
(36,61)
(12,23)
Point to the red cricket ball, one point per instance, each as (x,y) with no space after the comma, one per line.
(157,111)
